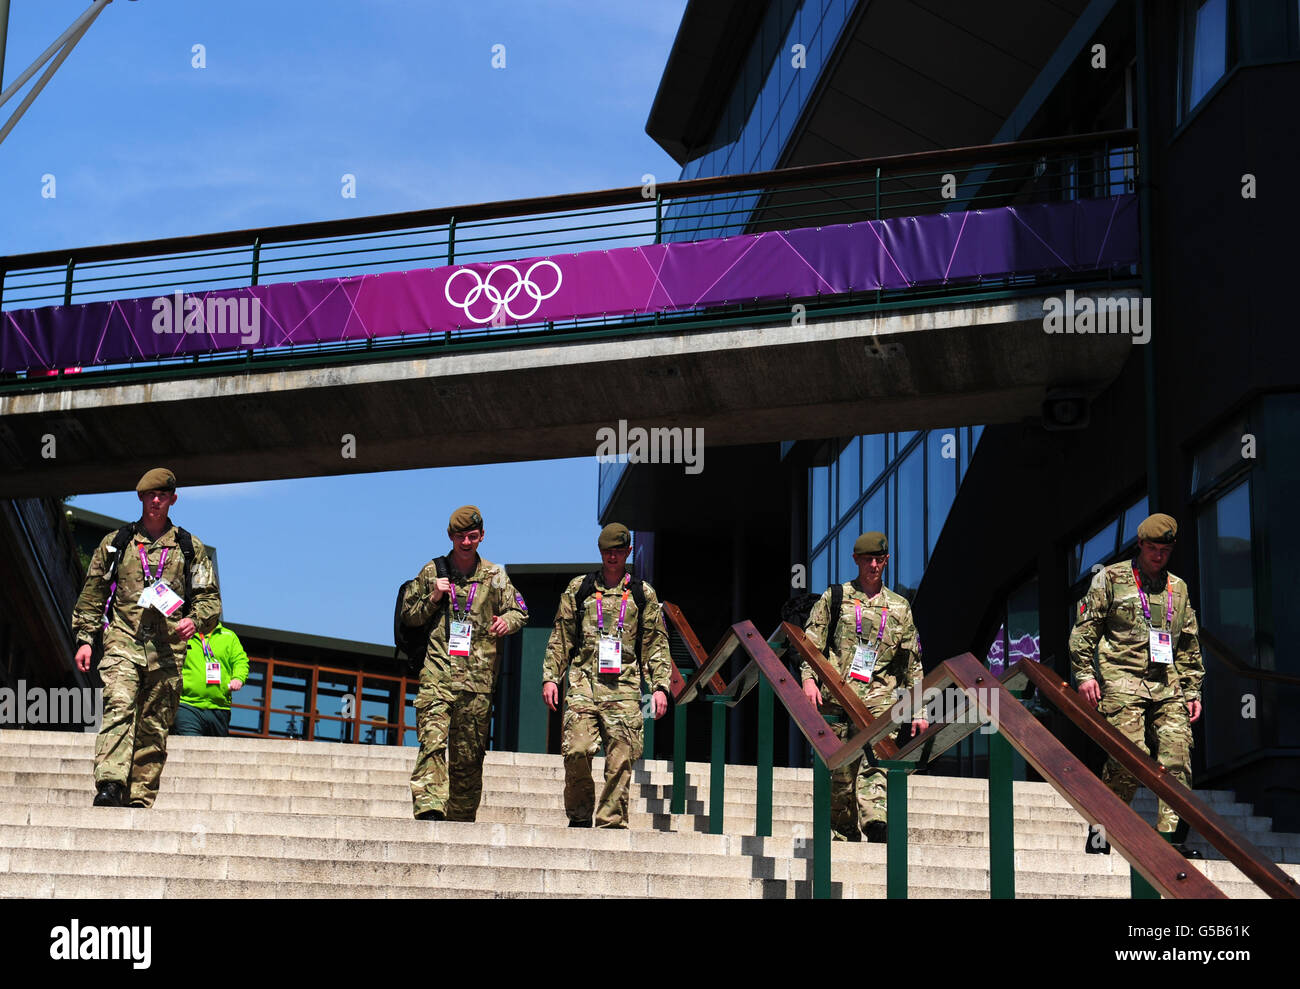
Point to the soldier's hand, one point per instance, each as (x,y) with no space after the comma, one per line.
(499,627)
(83,657)
(661,704)
(551,694)
(441,586)
(185,628)
(1193,711)
(812,692)
(1091,692)
(919,725)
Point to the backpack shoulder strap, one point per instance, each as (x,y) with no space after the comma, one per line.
(186,542)
(837,604)
(440,566)
(585,590)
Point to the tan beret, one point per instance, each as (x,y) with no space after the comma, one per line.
(871,542)
(614,536)
(1158,529)
(158,479)
(464,518)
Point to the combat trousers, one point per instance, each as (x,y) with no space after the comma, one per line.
(139,707)
(858,789)
(1137,716)
(452,726)
(619,726)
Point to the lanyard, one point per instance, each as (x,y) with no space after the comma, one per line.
(884,613)
(144,562)
(207,649)
(469,601)
(1169,600)
(600,611)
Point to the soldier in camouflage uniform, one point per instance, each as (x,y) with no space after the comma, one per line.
(874,645)
(1144,638)
(454,705)
(605,708)
(144,645)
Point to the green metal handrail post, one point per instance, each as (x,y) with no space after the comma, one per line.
(659,218)
(451,241)
(763,810)
(821,830)
(1002,855)
(257,258)
(67,284)
(718,764)
(678,805)
(896,832)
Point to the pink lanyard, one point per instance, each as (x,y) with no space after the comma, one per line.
(1169,600)
(884,613)
(144,562)
(469,602)
(600,611)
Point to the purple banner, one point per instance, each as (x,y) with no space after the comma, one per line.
(1082,235)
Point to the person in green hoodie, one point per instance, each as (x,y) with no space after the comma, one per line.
(215,666)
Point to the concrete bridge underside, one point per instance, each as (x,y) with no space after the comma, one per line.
(944,365)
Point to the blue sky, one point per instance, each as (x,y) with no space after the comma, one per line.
(402,95)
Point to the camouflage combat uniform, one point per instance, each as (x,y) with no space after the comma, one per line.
(898,667)
(1139,697)
(143,655)
(454,705)
(604,709)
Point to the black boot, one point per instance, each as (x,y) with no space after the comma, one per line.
(1096,843)
(431,815)
(110,794)
(1179,840)
(877,832)
(580,824)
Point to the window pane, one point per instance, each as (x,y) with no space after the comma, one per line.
(817,501)
(1097,549)
(873,458)
(289,688)
(818,579)
(285,725)
(844,552)
(909,553)
(1219,457)
(1133,518)
(1022,623)
(1227,578)
(1209,49)
(850,485)
(253,691)
(332,730)
(334,691)
(408,714)
(941,481)
(244,719)
(379,699)
(873,512)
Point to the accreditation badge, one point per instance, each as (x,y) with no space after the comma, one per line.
(864,663)
(1162,646)
(214,671)
(610,659)
(165,599)
(458,641)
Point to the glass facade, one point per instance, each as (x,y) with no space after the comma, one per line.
(774,84)
(901,484)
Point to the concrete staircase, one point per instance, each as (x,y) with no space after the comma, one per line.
(259,818)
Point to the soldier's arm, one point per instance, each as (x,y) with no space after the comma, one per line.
(816,631)
(205,596)
(911,645)
(417,609)
(88,613)
(510,605)
(658,660)
(1089,624)
(1191,667)
(560,644)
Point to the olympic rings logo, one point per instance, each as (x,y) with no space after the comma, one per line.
(493,292)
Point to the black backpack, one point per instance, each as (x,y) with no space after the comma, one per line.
(837,604)
(411,640)
(121,540)
(585,590)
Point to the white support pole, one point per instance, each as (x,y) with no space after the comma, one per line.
(78,28)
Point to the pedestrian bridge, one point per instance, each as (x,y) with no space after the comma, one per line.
(856,297)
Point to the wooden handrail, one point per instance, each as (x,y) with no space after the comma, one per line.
(678,621)
(1217,831)
(1224,654)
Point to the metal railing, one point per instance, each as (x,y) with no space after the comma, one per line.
(1045,170)
(984,700)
